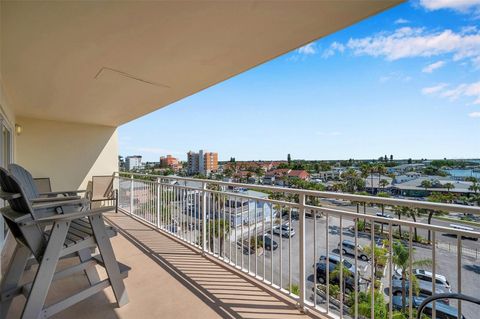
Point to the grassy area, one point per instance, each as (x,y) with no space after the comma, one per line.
(458,221)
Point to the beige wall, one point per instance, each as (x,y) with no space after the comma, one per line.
(68,153)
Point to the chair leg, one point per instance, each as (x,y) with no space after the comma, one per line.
(46,270)
(108,256)
(13,275)
(91,272)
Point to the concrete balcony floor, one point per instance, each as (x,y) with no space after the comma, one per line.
(171,280)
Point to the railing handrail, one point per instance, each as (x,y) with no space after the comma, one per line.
(332,195)
(457,296)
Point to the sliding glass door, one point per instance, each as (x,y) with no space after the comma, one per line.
(6,157)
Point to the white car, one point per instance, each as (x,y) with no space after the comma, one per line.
(425,277)
(284,230)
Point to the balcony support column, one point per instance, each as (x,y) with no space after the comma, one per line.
(301,250)
(131,194)
(204,218)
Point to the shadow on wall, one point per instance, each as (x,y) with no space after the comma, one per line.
(68,153)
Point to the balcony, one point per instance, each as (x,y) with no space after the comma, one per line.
(169,279)
(236,274)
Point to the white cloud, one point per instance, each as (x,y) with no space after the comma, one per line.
(401,21)
(433,66)
(409,42)
(434,89)
(308,49)
(474,114)
(469,90)
(395,76)
(469,29)
(464,6)
(332,49)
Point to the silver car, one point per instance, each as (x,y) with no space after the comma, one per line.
(284,230)
(348,247)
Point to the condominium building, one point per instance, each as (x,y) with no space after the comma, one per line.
(133,162)
(202,162)
(170,161)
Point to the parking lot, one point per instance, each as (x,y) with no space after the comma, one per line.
(287,255)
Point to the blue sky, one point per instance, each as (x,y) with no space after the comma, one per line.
(405,82)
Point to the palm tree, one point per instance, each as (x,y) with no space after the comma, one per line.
(383,183)
(401,211)
(437,198)
(401,258)
(474,187)
(218,229)
(345,273)
(379,257)
(426,184)
(449,186)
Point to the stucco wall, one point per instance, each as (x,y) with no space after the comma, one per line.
(68,153)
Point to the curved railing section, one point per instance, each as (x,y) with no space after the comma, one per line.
(295,241)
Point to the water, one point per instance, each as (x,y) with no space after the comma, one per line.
(463,173)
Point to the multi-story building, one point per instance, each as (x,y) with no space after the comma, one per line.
(133,162)
(210,162)
(202,162)
(170,162)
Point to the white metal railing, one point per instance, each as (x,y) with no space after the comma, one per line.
(238,224)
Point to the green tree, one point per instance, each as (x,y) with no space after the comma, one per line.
(426,184)
(218,229)
(380,310)
(474,187)
(436,198)
(379,257)
(449,186)
(341,270)
(383,183)
(353,182)
(401,258)
(289,159)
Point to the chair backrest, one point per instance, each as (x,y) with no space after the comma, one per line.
(19,206)
(25,179)
(102,187)
(43,184)
(10,184)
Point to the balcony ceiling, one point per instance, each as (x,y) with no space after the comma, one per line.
(111,62)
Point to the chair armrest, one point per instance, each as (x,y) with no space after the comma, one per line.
(7,196)
(54,199)
(54,204)
(68,217)
(63,192)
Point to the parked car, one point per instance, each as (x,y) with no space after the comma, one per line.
(348,247)
(269,242)
(442,310)
(322,277)
(427,276)
(284,230)
(425,289)
(384,215)
(334,259)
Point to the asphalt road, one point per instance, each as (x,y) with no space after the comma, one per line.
(286,258)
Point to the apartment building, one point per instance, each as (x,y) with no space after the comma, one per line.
(170,162)
(202,162)
(133,162)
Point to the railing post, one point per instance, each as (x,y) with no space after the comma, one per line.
(204,217)
(131,194)
(158,202)
(301,250)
